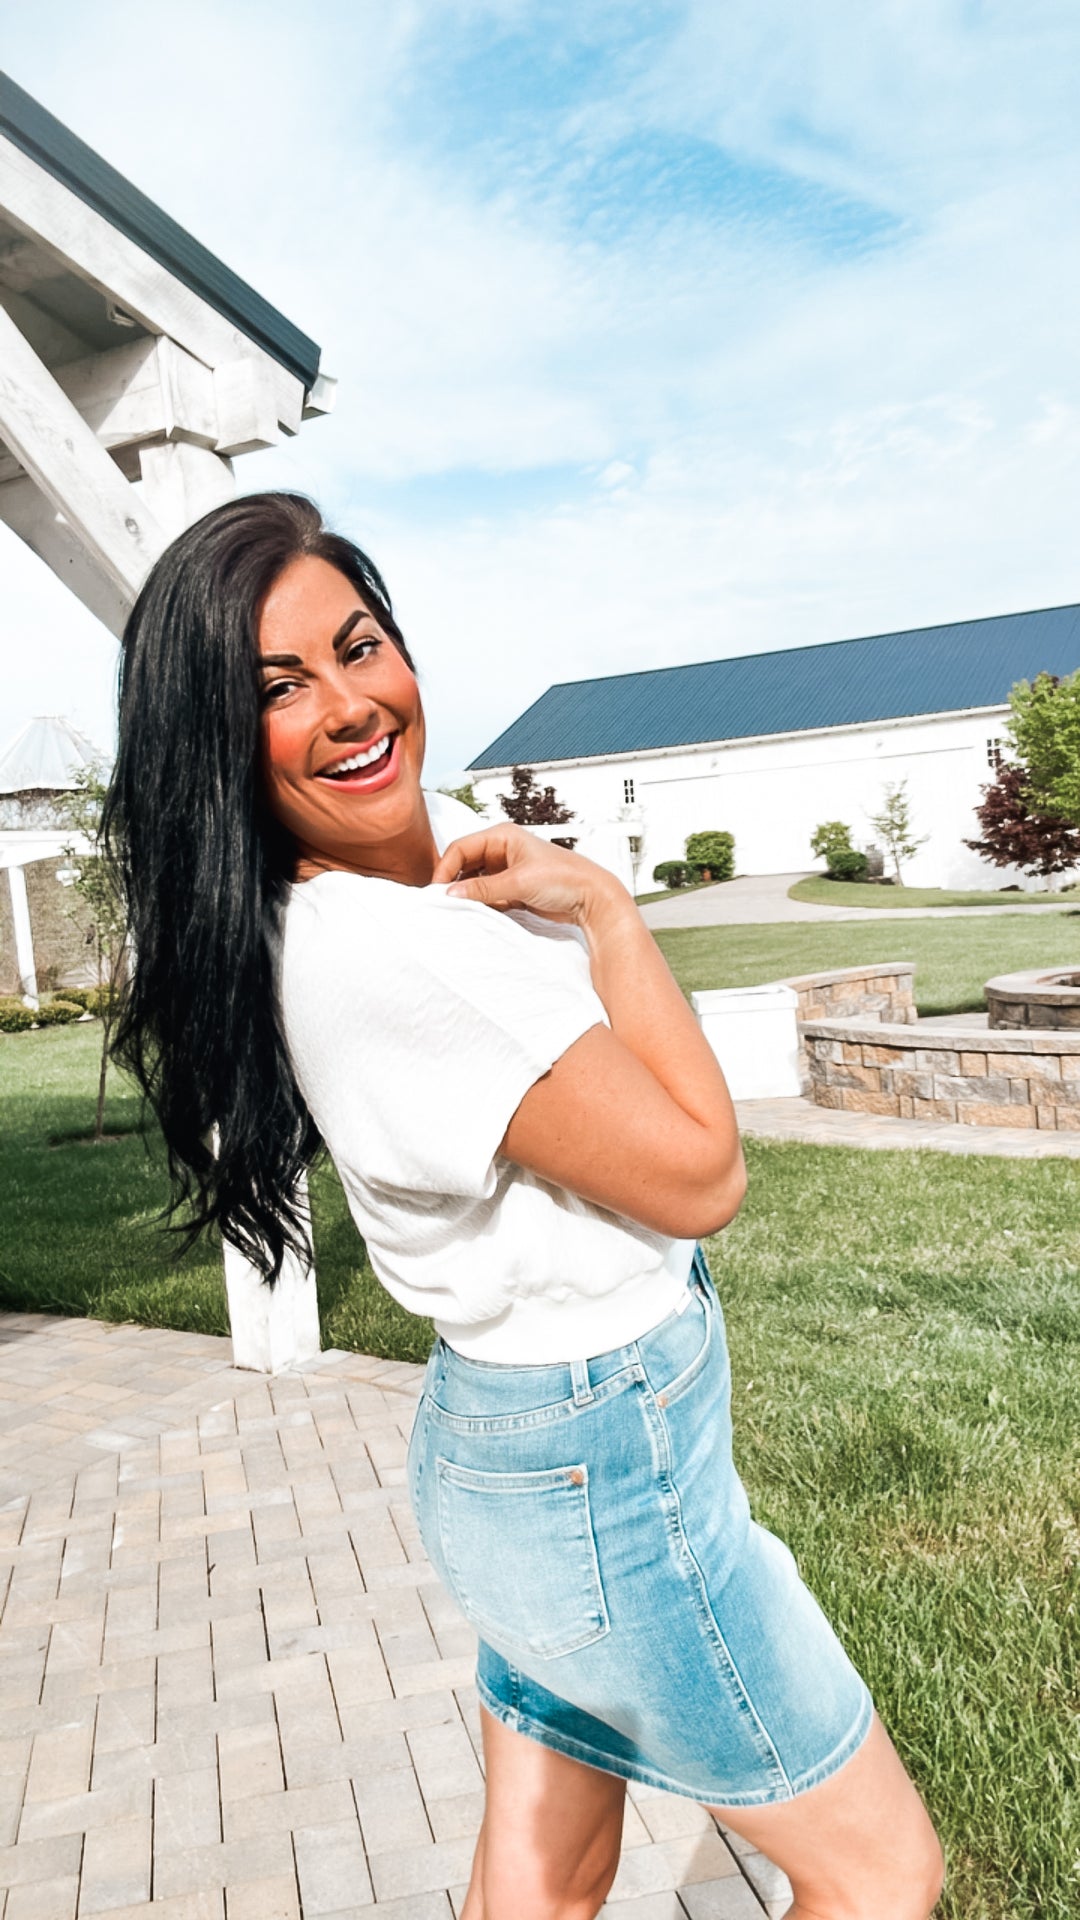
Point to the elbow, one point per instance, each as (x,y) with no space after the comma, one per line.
(714,1202)
(721,1206)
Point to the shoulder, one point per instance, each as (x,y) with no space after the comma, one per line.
(450,819)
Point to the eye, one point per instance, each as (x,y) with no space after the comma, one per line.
(360,649)
(275,690)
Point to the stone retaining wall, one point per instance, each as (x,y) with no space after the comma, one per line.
(967,1074)
(1039,999)
(884,992)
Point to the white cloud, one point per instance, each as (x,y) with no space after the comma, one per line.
(764,437)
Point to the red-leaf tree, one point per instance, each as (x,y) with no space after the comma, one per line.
(1015,836)
(530,805)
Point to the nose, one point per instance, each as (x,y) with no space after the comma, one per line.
(348,712)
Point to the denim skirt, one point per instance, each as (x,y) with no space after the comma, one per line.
(589,1521)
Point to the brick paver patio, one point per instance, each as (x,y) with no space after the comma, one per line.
(800,1119)
(230,1686)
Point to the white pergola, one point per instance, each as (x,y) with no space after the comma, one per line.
(134,368)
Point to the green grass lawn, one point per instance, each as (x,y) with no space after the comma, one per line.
(823,892)
(953,959)
(905,1331)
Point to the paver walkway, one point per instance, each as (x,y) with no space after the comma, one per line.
(762,899)
(800,1119)
(230,1685)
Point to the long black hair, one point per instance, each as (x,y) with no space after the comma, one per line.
(204,869)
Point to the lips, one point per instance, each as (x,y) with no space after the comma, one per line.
(364,770)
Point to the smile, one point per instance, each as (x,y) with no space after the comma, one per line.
(367,766)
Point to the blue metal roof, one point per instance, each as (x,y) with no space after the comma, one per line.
(972,663)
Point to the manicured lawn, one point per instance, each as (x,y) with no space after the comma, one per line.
(822,892)
(670,893)
(953,958)
(77,1231)
(905,1331)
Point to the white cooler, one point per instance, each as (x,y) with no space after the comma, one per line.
(753,1033)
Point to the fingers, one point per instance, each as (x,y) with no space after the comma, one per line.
(473,850)
(491,889)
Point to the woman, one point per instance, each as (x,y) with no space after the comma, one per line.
(531,1134)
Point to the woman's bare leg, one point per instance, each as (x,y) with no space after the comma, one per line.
(549,1845)
(859,1847)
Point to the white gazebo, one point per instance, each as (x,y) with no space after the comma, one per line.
(134,368)
(42,762)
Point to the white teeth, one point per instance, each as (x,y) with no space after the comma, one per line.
(374,752)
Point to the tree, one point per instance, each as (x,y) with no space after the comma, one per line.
(467,796)
(712,853)
(831,838)
(530,805)
(1044,727)
(893,825)
(99,908)
(1015,835)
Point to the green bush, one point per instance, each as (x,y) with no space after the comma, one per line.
(14,1017)
(673,873)
(90,999)
(58,1013)
(849,866)
(831,838)
(713,851)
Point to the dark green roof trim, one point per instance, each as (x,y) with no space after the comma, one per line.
(841,683)
(71,161)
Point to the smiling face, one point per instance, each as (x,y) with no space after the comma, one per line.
(342,730)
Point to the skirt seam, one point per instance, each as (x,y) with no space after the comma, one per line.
(646,1776)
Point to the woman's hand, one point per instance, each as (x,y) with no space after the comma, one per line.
(508,867)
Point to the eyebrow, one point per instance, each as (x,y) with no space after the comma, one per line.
(338,641)
(346,627)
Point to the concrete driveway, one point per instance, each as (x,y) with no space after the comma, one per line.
(761,898)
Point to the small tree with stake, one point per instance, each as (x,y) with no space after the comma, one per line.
(893,825)
(1015,835)
(532,806)
(99,909)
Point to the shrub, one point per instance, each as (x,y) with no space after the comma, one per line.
(90,999)
(672,873)
(57,1013)
(714,851)
(831,838)
(14,1017)
(849,866)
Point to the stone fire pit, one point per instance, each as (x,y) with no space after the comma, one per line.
(1019,1000)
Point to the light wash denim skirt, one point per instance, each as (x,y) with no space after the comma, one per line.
(589,1521)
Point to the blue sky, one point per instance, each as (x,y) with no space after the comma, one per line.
(663,331)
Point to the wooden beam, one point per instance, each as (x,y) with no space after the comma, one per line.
(182,482)
(49,213)
(23,264)
(28,513)
(52,442)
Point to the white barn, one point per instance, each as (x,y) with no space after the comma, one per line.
(769,745)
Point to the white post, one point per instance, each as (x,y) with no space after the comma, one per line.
(272,1327)
(24,934)
(182,482)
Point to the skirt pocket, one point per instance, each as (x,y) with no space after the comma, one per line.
(520,1556)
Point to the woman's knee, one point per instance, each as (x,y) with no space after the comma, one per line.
(909,1891)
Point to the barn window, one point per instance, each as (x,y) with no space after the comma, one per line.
(628,793)
(995,753)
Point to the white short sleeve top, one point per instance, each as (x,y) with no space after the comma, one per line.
(415,1024)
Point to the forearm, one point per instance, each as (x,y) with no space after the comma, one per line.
(649,1013)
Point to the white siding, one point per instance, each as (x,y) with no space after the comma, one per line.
(772,793)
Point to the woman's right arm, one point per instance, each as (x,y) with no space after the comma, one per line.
(637,1117)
